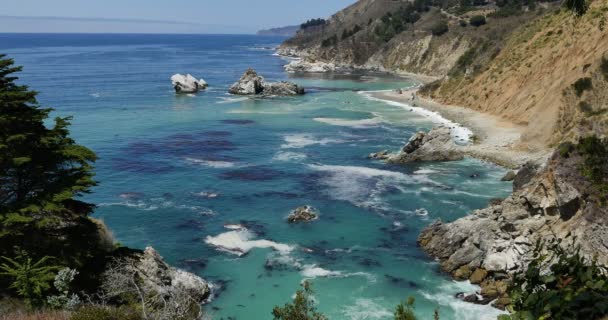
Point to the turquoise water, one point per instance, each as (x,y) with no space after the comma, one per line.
(175,170)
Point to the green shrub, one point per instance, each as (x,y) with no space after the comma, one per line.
(579,7)
(31,280)
(405,310)
(463,23)
(302,308)
(559,284)
(313,23)
(106,313)
(477,21)
(581,85)
(439,28)
(331,41)
(604,68)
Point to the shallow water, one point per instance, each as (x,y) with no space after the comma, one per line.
(175,170)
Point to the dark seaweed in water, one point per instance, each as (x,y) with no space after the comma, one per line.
(401,282)
(139,156)
(192,265)
(252,174)
(190,224)
(238,121)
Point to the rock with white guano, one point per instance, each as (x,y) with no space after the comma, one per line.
(187,83)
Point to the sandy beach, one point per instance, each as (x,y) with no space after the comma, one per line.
(494,139)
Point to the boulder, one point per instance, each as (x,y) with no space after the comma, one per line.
(436,145)
(249,84)
(302,214)
(509,176)
(382,155)
(282,88)
(187,83)
(478,276)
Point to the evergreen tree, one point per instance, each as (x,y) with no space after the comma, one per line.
(42,169)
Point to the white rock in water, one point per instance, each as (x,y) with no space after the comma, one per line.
(187,83)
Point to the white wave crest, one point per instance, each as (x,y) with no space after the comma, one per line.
(304,140)
(363,123)
(462,310)
(210,163)
(288,156)
(366,309)
(239,242)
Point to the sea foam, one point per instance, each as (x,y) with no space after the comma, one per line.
(304,140)
(363,123)
(462,310)
(240,241)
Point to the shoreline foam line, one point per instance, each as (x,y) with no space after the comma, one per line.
(459,132)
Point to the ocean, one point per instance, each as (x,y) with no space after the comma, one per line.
(177,172)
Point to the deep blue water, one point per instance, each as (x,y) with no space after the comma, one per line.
(173,171)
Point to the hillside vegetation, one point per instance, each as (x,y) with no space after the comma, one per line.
(551,75)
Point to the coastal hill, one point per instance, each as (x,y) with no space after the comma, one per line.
(288,31)
(534,65)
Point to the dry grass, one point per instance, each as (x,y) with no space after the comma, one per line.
(39,315)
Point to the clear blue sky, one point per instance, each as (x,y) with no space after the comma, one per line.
(160,16)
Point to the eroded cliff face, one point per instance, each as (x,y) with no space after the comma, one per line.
(556,202)
(532,80)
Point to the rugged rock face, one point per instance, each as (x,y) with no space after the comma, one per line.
(436,145)
(187,83)
(250,83)
(302,214)
(160,277)
(253,84)
(304,66)
(493,242)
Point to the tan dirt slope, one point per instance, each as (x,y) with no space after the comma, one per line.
(530,82)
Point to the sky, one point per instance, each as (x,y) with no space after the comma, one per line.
(160,16)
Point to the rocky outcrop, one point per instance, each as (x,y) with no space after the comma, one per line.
(187,83)
(303,66)
(249,84)
(489,244)
(302,214)
(159,277)
(253,84)
(436,145)
(282,88)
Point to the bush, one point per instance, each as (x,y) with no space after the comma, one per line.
(302,308)
(463,23)
(439,28)
(106,313)
(581,85)
(477,21)
(560,284)
(604,68)
(579,7)
(31,280)
(331,41)
(405,310)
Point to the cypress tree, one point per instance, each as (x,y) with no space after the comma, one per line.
(42,169)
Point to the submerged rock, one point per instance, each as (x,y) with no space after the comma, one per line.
(253,84)
(302,214)
(187,83)
(436,145)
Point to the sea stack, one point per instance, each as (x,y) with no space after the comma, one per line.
(187,83)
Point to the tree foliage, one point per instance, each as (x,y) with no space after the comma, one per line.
(405,310)
(313,23)
(31,280)
(560,284)
(42,169)
(302,308)
(477,21)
